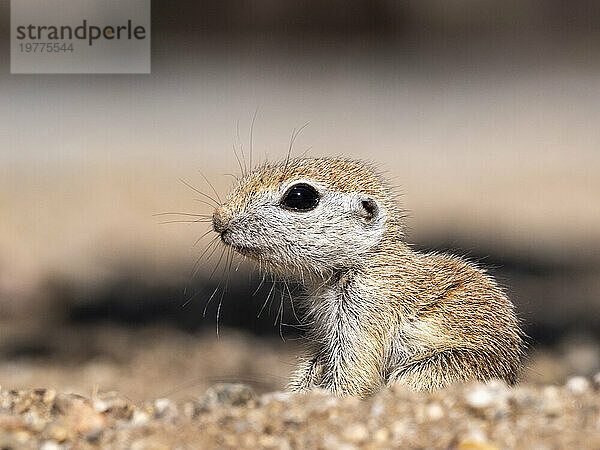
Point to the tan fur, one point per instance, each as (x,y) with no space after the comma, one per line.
(379,312)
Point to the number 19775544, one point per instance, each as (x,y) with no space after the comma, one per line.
(47,47)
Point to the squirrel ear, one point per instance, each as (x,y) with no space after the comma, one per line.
(369,209)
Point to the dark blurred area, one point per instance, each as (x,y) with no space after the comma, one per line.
(379,19)
(484,113)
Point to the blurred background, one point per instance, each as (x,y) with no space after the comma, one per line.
(484,114)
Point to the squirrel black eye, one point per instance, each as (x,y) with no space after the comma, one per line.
(301,198)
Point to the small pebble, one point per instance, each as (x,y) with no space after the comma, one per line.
(49,445)
(100,405)
(228,394)
(434,411)
(551,403)
(162,406)
(356,433)
(476,445)
(377,409)
(49,396)
(381,435)
(578,385)
(480,397)
(22,436)
(140,418)
(59,433)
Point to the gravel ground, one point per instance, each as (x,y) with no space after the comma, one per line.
(110,387)
(471,416)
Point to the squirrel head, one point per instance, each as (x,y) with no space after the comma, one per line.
(307,216)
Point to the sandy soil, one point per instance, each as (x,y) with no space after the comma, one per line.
(104,386)
(473,416)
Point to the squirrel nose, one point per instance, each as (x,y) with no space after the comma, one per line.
(219,221)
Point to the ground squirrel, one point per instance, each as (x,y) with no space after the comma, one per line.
(378,312)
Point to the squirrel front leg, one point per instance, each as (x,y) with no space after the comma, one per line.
(352,376)
(352,363)
(308,375)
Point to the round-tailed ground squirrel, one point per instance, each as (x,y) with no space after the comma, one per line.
(378,312)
